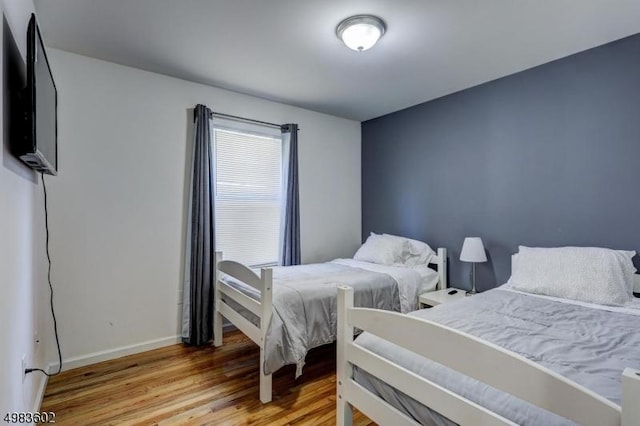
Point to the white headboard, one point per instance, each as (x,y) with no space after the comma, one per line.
(441,262)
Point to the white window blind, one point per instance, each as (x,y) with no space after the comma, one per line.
(248,173)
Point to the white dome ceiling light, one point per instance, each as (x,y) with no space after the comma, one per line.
(360,32)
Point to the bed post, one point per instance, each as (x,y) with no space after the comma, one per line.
(442,269)
(344,370)
(217,318)
(265,320)
(630,397)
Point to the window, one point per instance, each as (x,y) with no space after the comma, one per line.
(248,196)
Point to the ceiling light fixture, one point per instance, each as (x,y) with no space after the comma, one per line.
(360,32)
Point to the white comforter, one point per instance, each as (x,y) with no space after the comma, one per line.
(589,344)
(305,299)
(411,281)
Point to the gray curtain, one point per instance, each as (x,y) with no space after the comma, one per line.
(290,235)
(197,307)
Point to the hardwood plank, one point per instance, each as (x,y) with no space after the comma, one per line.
(186,385)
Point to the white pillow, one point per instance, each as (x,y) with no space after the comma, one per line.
(400,241)
(587,274)
(416,253)
(381,250)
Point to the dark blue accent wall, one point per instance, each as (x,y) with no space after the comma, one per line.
(546,157)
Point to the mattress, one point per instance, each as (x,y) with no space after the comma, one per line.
(588,344)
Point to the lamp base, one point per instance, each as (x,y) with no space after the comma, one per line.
(473,282)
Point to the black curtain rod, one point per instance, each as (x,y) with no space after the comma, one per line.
(235,117)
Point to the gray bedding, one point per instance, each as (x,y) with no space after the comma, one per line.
(589,346)
(304,307)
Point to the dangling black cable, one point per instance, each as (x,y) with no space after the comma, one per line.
(53,313)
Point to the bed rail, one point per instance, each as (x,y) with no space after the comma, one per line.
(492,365)
(262,308)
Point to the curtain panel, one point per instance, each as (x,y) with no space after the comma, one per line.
(197,307)
(290,224)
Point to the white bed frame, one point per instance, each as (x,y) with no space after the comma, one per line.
(263,308)
(491,364)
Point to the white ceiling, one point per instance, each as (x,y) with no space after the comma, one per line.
(286,50)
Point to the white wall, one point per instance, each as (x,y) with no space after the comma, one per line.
(24,309)
(118,203)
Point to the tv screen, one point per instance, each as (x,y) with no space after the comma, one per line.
(41,136)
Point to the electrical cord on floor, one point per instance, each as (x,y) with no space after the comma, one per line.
(53,313)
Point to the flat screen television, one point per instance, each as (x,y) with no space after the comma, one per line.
(40,100)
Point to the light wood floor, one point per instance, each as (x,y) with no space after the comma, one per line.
(185,385)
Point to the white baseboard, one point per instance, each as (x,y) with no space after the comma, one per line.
(42,386)
(93,358)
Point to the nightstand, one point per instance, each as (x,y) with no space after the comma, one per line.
(434,298)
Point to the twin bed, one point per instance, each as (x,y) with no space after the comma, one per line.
(287,311)
(505,357)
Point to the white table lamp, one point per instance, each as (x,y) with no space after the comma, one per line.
(473,251)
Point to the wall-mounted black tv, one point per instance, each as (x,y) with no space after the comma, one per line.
(40,100)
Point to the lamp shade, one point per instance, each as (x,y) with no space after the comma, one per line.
(473,250)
